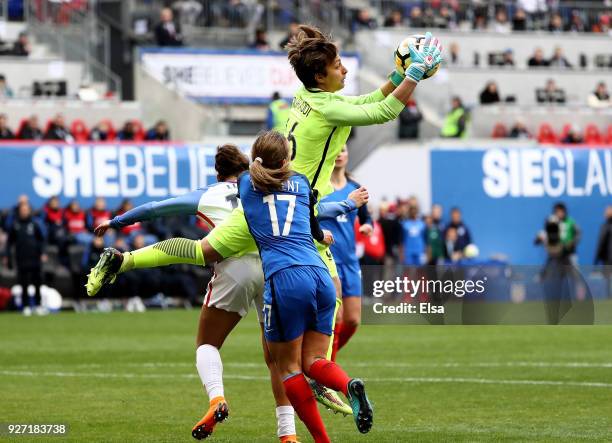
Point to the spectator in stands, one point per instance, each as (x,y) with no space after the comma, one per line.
(412,249)
(395,19)
(550,93)
(489,94)
(128,132)
(537,59)
(556,23)
(363,21)
(21,47)
(5,90)
(600,98)
(455,58)
(53,218)
(519,130)
(416,19)
(463,236)
(31,130)
(27,237)
(445,18)
(5,131)
(455,121)
(573,136)
(508,59)
(158,132)
(293,30)
(558,60)
(576,22)
(261,41)
(235,13)
(97,214)
(101,132)
(501,23)
(76,227)
(519,21)
(168,31)
(603,25)
(57,130)
(409,120)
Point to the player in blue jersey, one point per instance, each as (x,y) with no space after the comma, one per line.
(299,294)
(343,250)
(235,286)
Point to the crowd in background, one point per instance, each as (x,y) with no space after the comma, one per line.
(58,129)
(499,16)
(56,245)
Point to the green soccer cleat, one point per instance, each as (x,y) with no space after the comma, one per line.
(329,399)
(362,409)
(105,271)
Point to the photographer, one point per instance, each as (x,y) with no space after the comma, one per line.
(560,237)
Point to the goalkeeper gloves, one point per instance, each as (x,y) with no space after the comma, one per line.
(424,59)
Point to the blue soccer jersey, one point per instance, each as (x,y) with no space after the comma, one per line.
(282,223)
(343,226)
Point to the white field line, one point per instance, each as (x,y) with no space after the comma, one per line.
(373,364)
(423,380)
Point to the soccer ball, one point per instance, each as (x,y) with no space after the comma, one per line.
(402,55)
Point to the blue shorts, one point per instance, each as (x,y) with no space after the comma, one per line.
(350,277)
(296,300)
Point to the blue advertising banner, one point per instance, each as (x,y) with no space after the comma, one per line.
(141,172)
(506,194)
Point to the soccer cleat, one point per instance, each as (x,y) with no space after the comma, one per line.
(329,399)
(105,271)
(289,439)
(362,409)
(217,412)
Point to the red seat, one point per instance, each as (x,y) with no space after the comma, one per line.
(499,131)
(79,131)
(139,131)
(592,135)
(546,134)
(565,130)
(22,123)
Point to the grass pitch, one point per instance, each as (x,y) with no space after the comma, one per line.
(131,377)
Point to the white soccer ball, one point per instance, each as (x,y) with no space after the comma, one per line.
(402,55)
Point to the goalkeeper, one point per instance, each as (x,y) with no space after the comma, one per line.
(318,127)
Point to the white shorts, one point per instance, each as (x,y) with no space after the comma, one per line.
(236,285)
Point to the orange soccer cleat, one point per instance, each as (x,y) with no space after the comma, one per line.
(217,412)
(289,439)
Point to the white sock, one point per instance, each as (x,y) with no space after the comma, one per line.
(285,420)
(210,368)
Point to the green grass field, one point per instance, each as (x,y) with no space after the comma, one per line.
(131,377)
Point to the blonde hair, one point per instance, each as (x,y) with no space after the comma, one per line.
(268,172)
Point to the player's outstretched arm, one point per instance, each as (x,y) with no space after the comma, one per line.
(330,210)
(342,112)
(186,204)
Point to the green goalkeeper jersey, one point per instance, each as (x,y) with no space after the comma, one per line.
(320,122)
